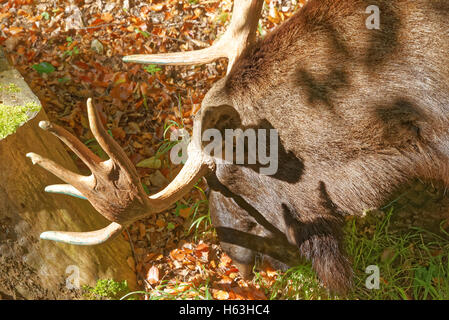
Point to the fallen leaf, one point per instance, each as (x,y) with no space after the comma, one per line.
(185,212)
(202,247)
(160,223)
(177,254)
(153,275)
(220,294)
(118,133)
(107,17)
(225,260)
(157,7)
(15,30)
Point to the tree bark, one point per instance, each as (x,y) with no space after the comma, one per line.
(31,268)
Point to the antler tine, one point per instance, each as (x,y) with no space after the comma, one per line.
(79,148)
(240,34)
(107,143)
(68,176)
(85,238)
(178,58)
(65,189)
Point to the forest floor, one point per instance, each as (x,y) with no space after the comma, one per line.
(68,51)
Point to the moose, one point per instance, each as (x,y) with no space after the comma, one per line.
(359,113)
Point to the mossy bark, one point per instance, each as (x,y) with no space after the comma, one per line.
(31,268)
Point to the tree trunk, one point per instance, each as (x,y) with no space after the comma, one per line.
(31,268)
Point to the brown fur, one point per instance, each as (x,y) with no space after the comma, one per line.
(359,113)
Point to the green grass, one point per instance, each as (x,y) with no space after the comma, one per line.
(200,220)
(298,283)
(413,264)
(168,144)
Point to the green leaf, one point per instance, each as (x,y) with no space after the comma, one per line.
(145,103)
(223,17)
(170,226)
(145,188)
(152,69)
(152,163)
(45,15)
(165,147)
(63,80)
(144,33)
(43,67)
(120,81)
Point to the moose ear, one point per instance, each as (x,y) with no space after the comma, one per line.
(219,117)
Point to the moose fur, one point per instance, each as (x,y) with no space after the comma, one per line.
(359,113)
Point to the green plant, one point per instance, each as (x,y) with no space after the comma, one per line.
(168,144)
(45,15)
(262,32)
(63,80)
(11,88)
(222,17)
(11,117)
(106,289)
(152,69)
(73,51)
(143,33)
(298,283)
(200,215)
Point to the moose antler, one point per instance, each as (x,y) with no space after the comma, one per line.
(240,34)
(114,188)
